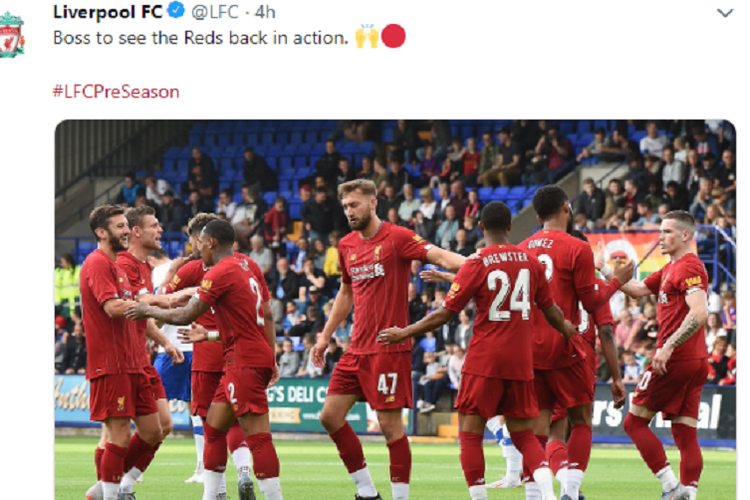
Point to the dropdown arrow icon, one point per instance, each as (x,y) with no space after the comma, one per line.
(727,14)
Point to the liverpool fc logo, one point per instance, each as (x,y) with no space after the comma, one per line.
(11,40)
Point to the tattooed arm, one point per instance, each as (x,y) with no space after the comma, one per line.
(182,316)
(695,319)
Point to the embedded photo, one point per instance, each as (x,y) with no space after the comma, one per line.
(391,308)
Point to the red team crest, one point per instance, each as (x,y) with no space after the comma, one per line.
(11,39)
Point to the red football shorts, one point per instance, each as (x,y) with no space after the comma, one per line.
(204,385)
(567,387)
(245,390)
(559,412)
(678,393)
(127,395)
(155,380)
(488,397)
(383,380)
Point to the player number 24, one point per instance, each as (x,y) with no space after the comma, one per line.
(519,298)
(383,385)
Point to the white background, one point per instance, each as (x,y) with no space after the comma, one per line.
(471,60)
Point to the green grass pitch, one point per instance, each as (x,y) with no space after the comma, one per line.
(313,471)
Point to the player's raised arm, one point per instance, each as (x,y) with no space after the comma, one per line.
(634,288)
(697,301)
(181,316)
(342,306)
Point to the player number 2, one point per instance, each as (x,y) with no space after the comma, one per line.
(383,385)
(519,298)
(256,290)
(232,399)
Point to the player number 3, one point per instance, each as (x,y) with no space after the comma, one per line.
(383,385)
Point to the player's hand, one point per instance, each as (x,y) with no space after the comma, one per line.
(174,353)
(570,330)
(660,359)
(475,256)
(374,38)
(318,353)
(360,37)
(625,273)
(433,276)
(182,297)
(275,376)
(179,262)
(392,336)
(599,256)
(192,335)
(618,394)
(137,312)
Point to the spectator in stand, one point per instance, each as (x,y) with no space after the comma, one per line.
(128,192)
(655,198)
(261,255)
(225,204)
(445,200)
(389,199)
(434,382)
(704,142)
(650,329)
(455,366)
(638,172)
(717,361)
(622,222)
(345,172)
(488,157)
(453,166)
(695,172)
(331,265)
(289,361)
(731,354)
(653,143)
(366,171)
(319,182)
(332,356)
(632,371)
(633,193)
(202,174)
(617,148)
(172,213)
(526,133)
(59,356)
(142,201)
(429,168)
(614,201)
(627,329)
(459,199)
(291,316)
(647,218)
(472,230)
(474,207)
(465,329)
(257,172)
(440,132)
(654,166)
(318,215)
(711,168)
(417,308)
(506,166)
(382,176)
(446,232)
(729,314)
(400,175)
(409,203)
(249,214)
(550,154)
(713,330)
(595,146)
(284,283)
(727,175)
(678,199)
(394,218)
(674,169)
(196,205)
(302,252)
(423,226)
(311,277)
(702,198)
(327,165)
(318,253)
(155,189)
(74,361)
(681,148)
(428,205)
(461,246)
(470,157)
(592,201)
(405,141)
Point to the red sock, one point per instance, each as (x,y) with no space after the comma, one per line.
(350,449)
(98,454)
(557,455)
(579,447)
(265,460)
(645,440)
(400,454)
(691,459)
(214,449)
(113,463)
(531,449)
(236,437)
(139,453)
(472,457)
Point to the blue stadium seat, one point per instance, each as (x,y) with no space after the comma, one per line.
(225,185)
(584,139)
(638,135)
(303,172)
(224,139)
(467,131)
(172,153)
(269,197)
(584,126)
(566,127)
(311,137)
(500,193)
(296,138)
(225,165)
(282,138)
(287,174)
(294,210)
(266,139)
(485,193)
(388,135)
(285,162)
(516,193)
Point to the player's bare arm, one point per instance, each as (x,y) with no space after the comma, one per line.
(555,318)
(445,259)
(631,287)
(609,349)
(695,319)
(434,320)
(435,276)
(169,301)
(599,296)
(270,328)
(116,308)
(341,308)
(153,333)
(181,316)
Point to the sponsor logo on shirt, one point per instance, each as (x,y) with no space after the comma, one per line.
(367,272)
(662,297)
(206,284)
(694,281)
(455,287)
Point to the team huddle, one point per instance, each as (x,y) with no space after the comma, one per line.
(530,363)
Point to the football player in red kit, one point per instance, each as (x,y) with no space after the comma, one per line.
(673,382)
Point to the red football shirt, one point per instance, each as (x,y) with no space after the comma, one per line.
(236,290)
(207,356)
(109,341)
(569,267)
(673,284)
(378,268)
(588,328)
(505,284)
(139,274)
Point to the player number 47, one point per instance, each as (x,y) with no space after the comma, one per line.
(383,385)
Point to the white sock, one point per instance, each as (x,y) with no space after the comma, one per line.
(562,478)
(223,486)
(365,486)
(110,490)
(692,492)
(270,488)
(241,457)
(199,441)
(667,478)
(575,480)
(494,425)
(532,491)
(513,457)
(400,491)
(477,492)
(129,479)
(543,480)
(211,484)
